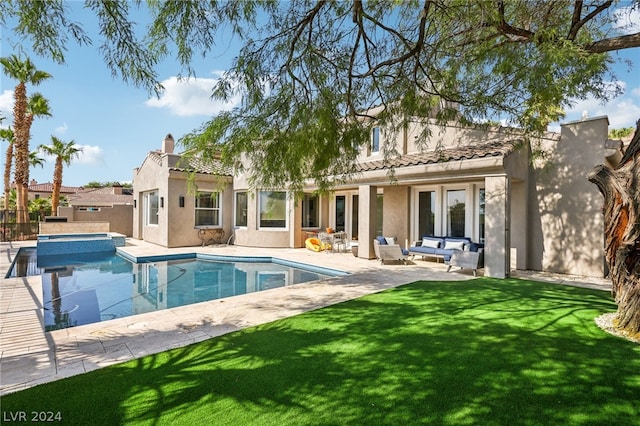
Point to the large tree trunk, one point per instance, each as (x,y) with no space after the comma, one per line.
(7,174)
(21,151)
(57,184)
(621,189)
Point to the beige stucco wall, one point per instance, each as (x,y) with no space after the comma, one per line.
(181,220)
(119,217)
(497,226)
(565,220)
(73,227)
(518,168)
(252,236)
(151,176)
(366,220)
(395,217)
(176,225)
(410,140)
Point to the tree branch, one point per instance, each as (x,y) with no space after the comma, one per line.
(577,12)
(615,43)
(412,52)
(575,26)
(508,29)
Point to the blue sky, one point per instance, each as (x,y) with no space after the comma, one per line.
(116,124)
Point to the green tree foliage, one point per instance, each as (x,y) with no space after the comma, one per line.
(64,153)
(41,206)
(96,184)
(25,109)
(621,133)
(313,76)
(7,135)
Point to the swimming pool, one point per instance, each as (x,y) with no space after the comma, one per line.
(98,287)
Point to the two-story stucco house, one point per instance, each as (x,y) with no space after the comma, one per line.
(530,212)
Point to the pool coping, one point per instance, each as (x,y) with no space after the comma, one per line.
(228,258)
(31,356)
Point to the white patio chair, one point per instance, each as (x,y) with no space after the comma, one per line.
(388,252)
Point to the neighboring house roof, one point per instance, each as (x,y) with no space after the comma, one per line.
(48,187)
(495,148)
(101,197)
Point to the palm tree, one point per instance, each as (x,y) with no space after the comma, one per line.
(24,71)
(37,106)
(42,206)
(64,153)
(7,134)
(34,160)
(12,199)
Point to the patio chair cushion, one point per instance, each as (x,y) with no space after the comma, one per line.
(454,245)
(381,240)
(431,242)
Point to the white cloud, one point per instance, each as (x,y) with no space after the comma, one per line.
(6,106)
(627,20)
(622,111)
(90,155)
(61,129)
(191,97)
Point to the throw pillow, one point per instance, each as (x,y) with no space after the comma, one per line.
(454,245)
(390,240)
(381,240)
(426,242)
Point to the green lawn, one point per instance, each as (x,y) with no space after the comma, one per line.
(483,351)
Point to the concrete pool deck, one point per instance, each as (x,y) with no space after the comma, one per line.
(30,356)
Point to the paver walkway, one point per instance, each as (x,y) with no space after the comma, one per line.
(30,356)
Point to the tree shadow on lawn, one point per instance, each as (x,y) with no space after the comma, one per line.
(483,351)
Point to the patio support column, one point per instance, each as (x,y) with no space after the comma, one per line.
(295,218)
(367,208)
(497,261)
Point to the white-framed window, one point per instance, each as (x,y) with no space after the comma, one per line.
(208,209)
(455,210)
(272,209)
(375,140)
(151,207)
(240,218)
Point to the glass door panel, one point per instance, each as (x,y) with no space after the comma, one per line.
(340,212)
(426,213)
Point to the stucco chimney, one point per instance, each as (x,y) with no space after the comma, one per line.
(168,144)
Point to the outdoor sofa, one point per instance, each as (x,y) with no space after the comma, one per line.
(467,253)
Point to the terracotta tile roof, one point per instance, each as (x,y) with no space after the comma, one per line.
(100,196)
(193,164)
(495,148)
(156,156)
(48,187)
(196,164)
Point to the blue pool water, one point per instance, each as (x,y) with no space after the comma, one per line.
(94,287)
